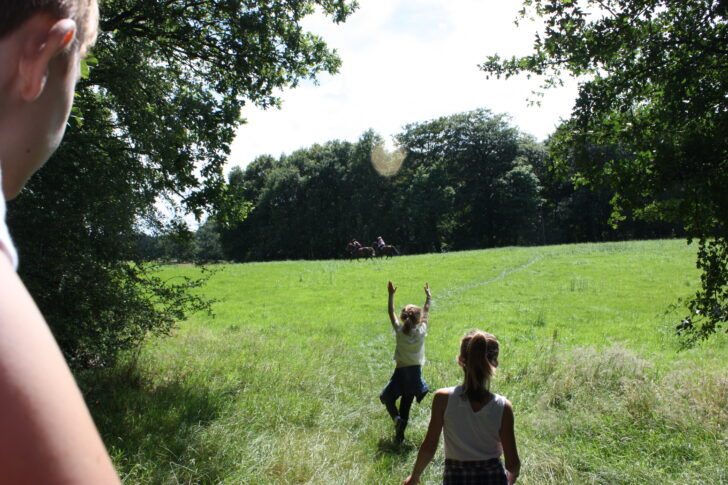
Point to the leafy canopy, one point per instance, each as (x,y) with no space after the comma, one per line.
(153,119)
(655,97)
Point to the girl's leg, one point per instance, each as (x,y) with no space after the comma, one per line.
(404,406)
(389,396)
(391,405)
(404,409)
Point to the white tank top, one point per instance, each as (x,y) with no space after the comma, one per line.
(6,243)
(470,435)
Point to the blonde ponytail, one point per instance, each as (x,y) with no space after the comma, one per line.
(411,315)
(478,356)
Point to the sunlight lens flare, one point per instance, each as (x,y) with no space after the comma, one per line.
(385,162)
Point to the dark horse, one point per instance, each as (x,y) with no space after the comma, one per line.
(387,250)
(359,252)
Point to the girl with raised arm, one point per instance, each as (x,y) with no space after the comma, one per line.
(406,383)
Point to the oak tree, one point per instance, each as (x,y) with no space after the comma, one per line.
(653,94)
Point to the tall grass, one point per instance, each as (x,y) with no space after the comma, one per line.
(282,386)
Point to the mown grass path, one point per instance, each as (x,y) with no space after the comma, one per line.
(282,385)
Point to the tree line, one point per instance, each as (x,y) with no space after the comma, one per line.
(466,181)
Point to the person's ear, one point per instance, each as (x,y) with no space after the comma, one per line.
(38,53)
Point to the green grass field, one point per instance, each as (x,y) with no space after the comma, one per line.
(282,385)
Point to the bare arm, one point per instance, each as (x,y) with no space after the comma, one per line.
(508,441)
(47,435)
(390,307)
(432,438)
(426,308)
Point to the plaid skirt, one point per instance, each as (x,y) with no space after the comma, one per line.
(485,472)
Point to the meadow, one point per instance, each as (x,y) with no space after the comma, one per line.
(281,386)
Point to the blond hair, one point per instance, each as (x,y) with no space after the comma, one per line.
(479,358)
(411,314)
(84,12)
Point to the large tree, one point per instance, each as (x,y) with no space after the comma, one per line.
(654,94)
(308,204)
(153,120)
(481,189)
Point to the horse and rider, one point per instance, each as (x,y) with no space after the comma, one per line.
(383,249)
(356,250)
(378,248)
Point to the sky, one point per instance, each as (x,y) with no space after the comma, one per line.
(405,61)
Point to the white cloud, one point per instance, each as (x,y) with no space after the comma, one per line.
(405,61)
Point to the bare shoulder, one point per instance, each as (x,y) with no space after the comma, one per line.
(441,396)
(36,423)
(445,391)
(507,408)
(507,417)
(439,405)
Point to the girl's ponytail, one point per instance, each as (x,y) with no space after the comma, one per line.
(478,356)
(411,315)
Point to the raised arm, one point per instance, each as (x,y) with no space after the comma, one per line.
(390,307)
(426,308)
(432,438)
(508,441)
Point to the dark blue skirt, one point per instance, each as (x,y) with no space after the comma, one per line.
(405,381)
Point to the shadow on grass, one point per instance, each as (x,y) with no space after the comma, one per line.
(150,427)
(391,447)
